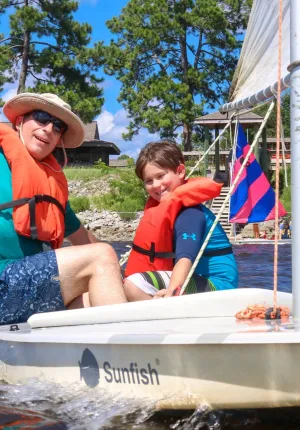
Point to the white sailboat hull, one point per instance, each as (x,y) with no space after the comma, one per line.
(175,359)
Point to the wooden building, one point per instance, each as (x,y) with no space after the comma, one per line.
(91,150)
(216,162)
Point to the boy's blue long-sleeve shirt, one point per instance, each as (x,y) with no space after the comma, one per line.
(190,230)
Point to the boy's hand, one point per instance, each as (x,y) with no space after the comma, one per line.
(167,293)
(163,293)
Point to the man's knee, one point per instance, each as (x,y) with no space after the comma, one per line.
(100,253)
(103,252)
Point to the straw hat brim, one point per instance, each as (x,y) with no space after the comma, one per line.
(26,102)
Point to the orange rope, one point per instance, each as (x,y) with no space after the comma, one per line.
(260,311)
(277,154)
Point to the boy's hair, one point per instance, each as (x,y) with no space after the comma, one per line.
(163,153)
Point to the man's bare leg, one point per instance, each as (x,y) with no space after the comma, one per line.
(92,268)
(82,301)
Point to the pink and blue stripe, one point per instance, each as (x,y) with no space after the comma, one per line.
(253,199)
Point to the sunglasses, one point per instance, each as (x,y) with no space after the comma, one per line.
(45,118)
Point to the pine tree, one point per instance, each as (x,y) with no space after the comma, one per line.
(48,51)
(174,57)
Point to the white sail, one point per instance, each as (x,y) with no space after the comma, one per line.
(258,64)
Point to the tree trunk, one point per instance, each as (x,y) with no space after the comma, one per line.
(187,137)
(24,68)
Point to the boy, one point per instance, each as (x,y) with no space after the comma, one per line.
(172,230)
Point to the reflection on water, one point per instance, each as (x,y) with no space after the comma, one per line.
(38,405)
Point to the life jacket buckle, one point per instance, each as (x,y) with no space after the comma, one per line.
(39,198)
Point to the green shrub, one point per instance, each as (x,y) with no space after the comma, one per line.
(80,204)
(284,191)
(100,165)
(127,196)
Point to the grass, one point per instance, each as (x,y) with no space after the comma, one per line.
(127,195)
(88,173)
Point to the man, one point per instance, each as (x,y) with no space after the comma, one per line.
(34,210)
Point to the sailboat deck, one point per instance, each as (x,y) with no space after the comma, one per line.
(206,318)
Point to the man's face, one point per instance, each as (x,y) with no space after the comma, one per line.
(39,139)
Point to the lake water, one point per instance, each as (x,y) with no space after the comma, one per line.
(47,406)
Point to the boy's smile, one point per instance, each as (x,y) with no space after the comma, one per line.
(160,182)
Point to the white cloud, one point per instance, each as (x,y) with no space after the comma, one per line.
(9,94)
(112,126)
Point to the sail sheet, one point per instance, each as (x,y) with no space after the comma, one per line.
(253,198)
(257,67)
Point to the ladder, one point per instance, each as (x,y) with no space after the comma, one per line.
(216,206)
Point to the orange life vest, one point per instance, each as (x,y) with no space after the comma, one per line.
(153,241)
(39,193)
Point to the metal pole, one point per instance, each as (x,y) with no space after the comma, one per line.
(217,151)
(206,145)
(295,151)
(258,97)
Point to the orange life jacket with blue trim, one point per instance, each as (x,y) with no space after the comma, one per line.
(40,194)
(153,242)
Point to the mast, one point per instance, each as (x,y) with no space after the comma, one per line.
(295,150)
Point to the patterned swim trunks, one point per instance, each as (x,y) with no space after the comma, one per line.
(29,286)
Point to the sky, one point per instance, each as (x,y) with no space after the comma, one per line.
(113,119)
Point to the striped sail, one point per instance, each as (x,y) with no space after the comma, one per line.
(253,198)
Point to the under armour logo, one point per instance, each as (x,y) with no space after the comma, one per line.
(189,236)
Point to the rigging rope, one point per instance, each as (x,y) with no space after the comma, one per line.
(278,136)
(232,187)
(260,311)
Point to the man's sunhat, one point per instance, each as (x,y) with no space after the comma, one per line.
(51,103)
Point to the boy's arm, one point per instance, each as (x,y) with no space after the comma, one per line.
(189,230)
(179,275)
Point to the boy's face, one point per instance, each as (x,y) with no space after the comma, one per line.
(160,182)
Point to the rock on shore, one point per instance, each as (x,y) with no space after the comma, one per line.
(109,226)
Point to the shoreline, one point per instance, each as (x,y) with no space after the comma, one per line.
(111,227)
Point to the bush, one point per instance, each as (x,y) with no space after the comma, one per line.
(127,196)
(79,204)
(100,165)
(284,192)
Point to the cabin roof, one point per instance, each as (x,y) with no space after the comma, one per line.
(219,120)
(103,144)
(118,163)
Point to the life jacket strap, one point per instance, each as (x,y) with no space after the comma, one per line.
(32,201)
(218,252)
(152,254)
